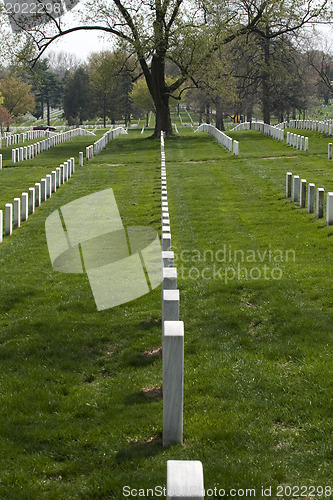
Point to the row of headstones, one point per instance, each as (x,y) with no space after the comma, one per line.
(296,190)
(316,125)
(297,141)
(184,477)
(98,146)
(23,136)
(264,128)
(172,329)
(225,140)
(29,152)
(18,212)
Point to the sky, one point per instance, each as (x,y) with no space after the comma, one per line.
(82,44)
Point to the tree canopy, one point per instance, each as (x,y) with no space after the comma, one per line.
(187,33)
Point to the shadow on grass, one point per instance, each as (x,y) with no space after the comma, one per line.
(146,395)
(141,449)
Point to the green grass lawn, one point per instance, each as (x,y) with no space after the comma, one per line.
(81,413)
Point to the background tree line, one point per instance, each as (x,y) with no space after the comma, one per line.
(282,78)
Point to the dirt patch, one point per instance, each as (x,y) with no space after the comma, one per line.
(278,157)
(152,392)
(153,352)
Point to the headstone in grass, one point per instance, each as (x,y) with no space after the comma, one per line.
(62,174)
(295,196)
(173,382)
(8,219)
(288,184)
(330,151)
(311,197)
(166,241)
(43,190)
(17,212)
(80,159)
(58,177)
(0,161)
(31,202)
(170,306)
(54,181)
(38,193)
(24,207)
(168,258)
(48,186)
(185,480)
(329,209)
(320,203)
(169,278)
(302,193)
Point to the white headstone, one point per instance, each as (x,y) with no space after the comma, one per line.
(311,197)
(185,480)
(302,193)
(8,219)
(295,195)
(329,209)
(24,207)
(320,203)
(17,212)
(173,382)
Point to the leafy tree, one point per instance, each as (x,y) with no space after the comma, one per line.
(5,118)
(77,97)
(47,87)
(142,99)
(18,98)
(110,85)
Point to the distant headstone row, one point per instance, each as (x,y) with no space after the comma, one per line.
(10,139)
(22,207)
(29,152)
(98,146)
(324,127)
(296,190)
(297,141)
(225,140)
(264,128)
(172,328)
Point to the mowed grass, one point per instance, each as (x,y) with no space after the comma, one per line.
(81,413)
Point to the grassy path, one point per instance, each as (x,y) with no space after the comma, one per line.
(81,414)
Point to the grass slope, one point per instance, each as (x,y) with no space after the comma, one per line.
(81,414)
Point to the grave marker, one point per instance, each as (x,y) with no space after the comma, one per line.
(8,219)
(24,207)
(320,203)
(295,188)
(302,193)
(173,381)
(329,209)
(311,197)
(17,212)
(185,480)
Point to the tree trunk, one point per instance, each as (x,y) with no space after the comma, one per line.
(265,77)
(163,118)
(219,114)
(48,111)
(160,94)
